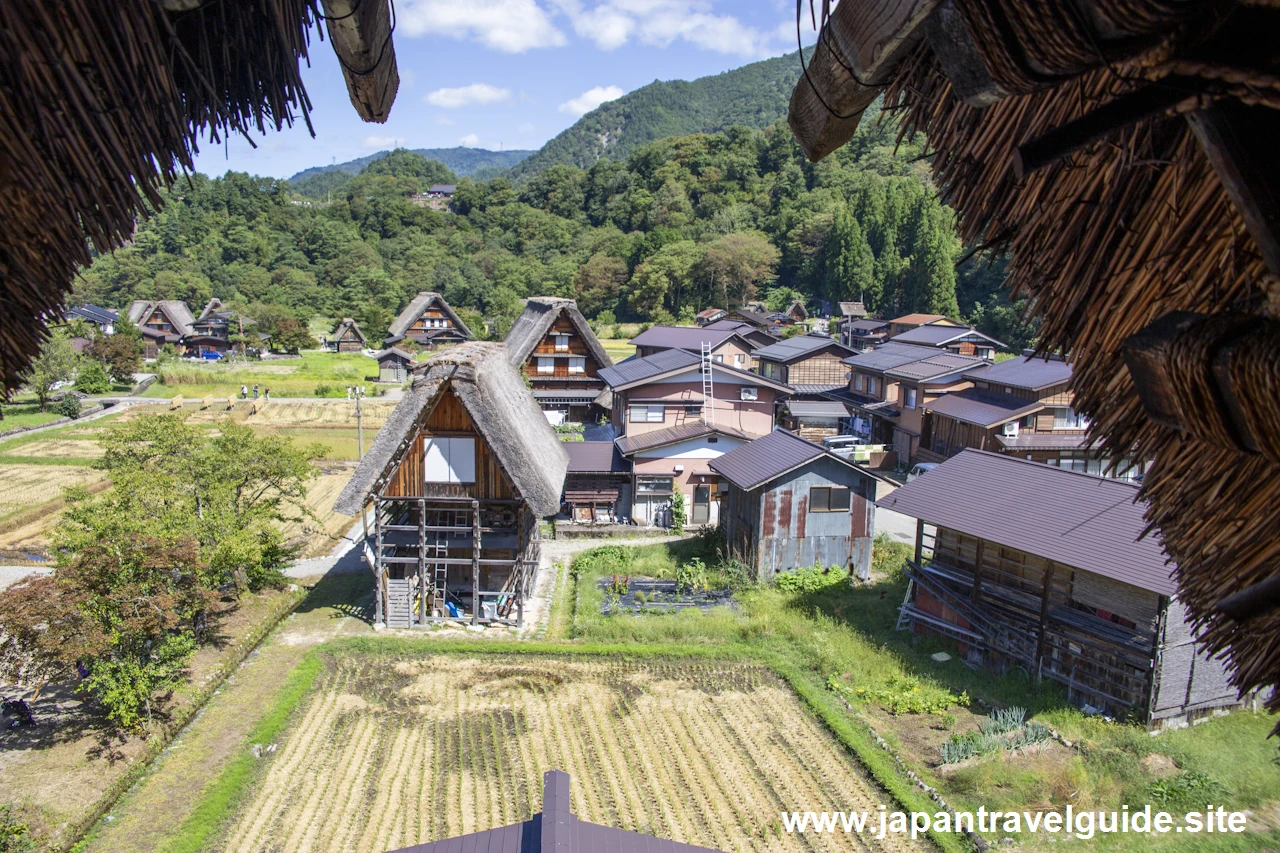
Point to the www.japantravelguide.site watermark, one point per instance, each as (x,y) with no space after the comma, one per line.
(1083,824)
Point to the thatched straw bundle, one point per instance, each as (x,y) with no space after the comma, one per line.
(1109,239)
(101,104)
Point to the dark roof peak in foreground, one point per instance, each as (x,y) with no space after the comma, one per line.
(503,410)
(1086,522)
(556,829)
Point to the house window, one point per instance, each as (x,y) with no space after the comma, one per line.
(857,381)
(909,398)
(1069,419)
(562,343)
(828,499)
(647,414)
(739,359)
(577,364)
(720,358)
(654,485)
(449,460)
(873,387)
(693,410)
(546,365)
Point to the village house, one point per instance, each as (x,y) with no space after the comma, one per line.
(394,365)
(726,345)
(756,337)
(871,396)
(348,337)
(961,340)
(862,335)
(437,196)
(162,322)
(553,344)
(675,412)
(710,315)
(907,322)
(213,330)
(814,419)
(811,364)
(763,319)
(787,503)
(597,487)
(1051,571)
(103,318)
(457,480)
(555,829)
(429,321)
(918,384)
(796,311)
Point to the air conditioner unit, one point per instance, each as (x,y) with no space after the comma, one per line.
(1011,429)
(750,393)
(679,469)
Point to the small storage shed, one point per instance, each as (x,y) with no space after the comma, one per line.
(348,337)
(597,487)
(791,504)
(1040,568)
(393,364)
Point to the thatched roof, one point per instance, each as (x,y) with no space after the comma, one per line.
(1118,159)
(103,104)
(503,410)
(349,325)
(540,313)
(424,300)
(177,312)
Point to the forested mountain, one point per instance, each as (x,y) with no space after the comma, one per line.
(318,182)
(755,95)
(683,223)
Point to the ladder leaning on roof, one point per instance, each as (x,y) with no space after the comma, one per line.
(708,387)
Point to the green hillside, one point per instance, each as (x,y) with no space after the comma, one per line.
(755,96)
(319,181)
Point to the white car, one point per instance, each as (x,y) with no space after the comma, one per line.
(840,444)
(920,469)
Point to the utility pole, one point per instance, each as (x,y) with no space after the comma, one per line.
(360,420)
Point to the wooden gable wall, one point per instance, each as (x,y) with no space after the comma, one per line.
(547,346)
(449,418)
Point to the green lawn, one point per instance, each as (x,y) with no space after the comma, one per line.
(618,348)
(842,642)
(25,415)
(315,374)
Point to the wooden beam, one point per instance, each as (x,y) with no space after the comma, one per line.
(475,562)
(867,37)
(920,539)
(956,53)
(1044,616)
(360,32)
(1239,141)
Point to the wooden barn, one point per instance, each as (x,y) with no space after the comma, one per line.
(1048,570)
(394,364)
(348,337)
(162,322)
(553,344)
(789,504)
(430,321)
(458,479)
(597,487)
(1122,157)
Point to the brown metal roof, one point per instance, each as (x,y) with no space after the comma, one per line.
(936,336)
(983,408)
(1082,521)
(595,457)
(1031,374)
(767,458)
(555,830)
(936,366)
(630,444)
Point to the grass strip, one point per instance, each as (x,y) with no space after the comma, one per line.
(220,799)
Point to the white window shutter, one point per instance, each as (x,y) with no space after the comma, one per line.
(435,460)
(462,458)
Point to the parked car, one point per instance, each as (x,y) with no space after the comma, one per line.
(920,469)
(210,355)
(839,444)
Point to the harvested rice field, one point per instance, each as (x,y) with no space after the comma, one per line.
(30,503)
(392,751)
(59,448)
(318,536)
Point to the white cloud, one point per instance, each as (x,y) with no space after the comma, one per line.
(508,26)
(445,120)
(465,96)
(381,142)
(590,99)
(527,127)
(658,23)
(470,140)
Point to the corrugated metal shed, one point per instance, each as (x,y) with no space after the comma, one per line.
(1087,522)
(985,410)
(1044,441)
(1029,373)
(818,409)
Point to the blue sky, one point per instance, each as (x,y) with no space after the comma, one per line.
(513,73)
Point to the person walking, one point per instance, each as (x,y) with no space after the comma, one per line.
(255,392)
(267,395)
(244,392)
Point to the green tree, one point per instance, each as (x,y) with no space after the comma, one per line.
(56,364)
(849,265)
(291,335)
(663,279)
(736,265)
(598,283)
(93,378)
(120,355)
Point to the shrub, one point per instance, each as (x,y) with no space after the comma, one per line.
(691,576)
(1188,789)
(325,390)
(811,579)
(903,694)
(68,407)
(93,379)
(677,513)
(14,835)
(888,558)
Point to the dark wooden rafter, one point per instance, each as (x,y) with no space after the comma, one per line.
(360,31)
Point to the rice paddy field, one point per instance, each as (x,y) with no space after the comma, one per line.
(317,536)
(314,374)
(30,501)
(393,750)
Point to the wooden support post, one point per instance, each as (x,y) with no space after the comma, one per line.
(977,574)
(919,539)
(522,549)
(1239,141)
(378,620)
(360,32)
(422,561)
(1044,616)
(475,562)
